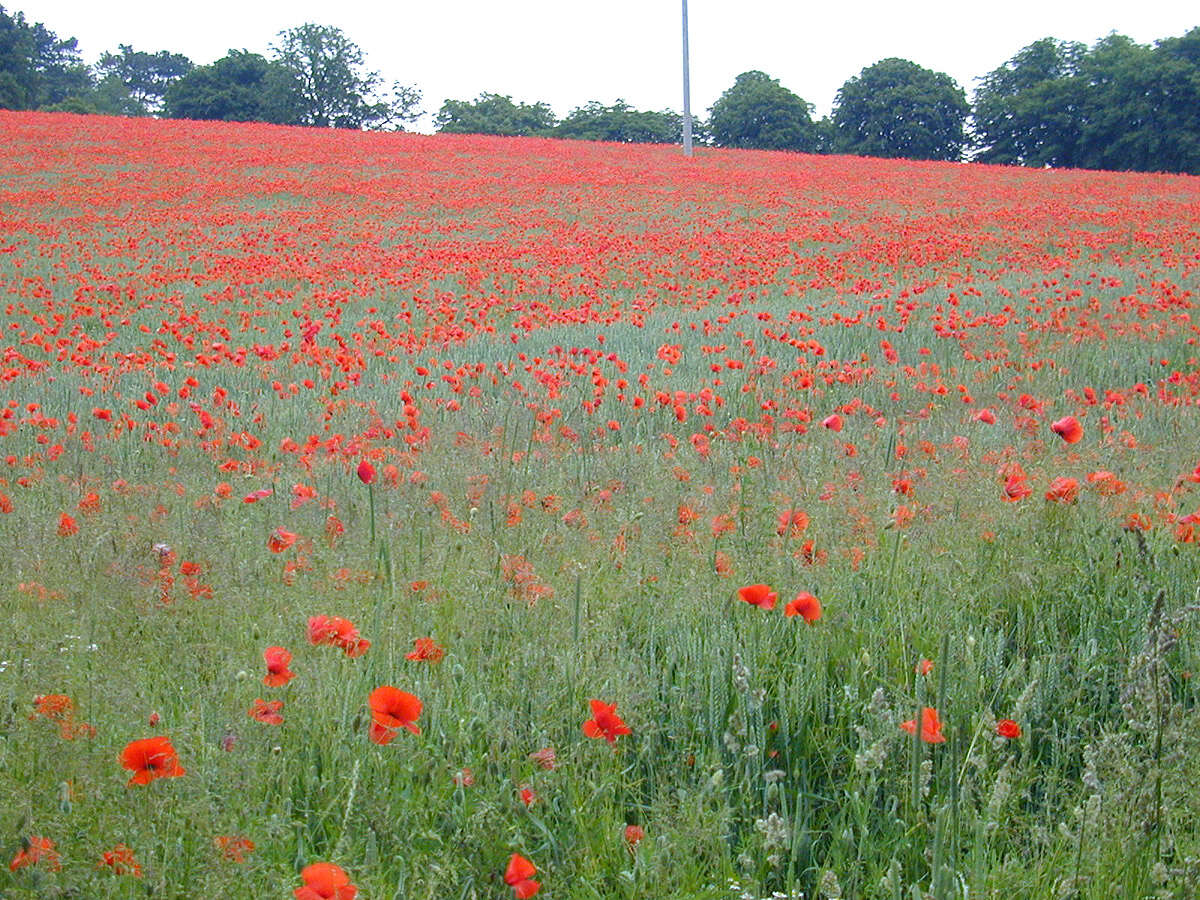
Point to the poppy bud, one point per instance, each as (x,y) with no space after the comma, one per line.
(366,472)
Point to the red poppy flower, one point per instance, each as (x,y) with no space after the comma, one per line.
(605,722)
(924,667)
(519,876)
(336,631)
(1063,490)
(266,711)
(546,758)
(1106,483)
(391,710)
(325,881)
(280,540)
(805,605)
(334,528)
(67,526)
(527,796)
(34,851)
(260,494)
(633,836)
(759,595)
(1007,728)
(149,759)
(278,674)
(1016,487)
(1068,428)
(426,649)
(986,416)
(233,847)
(122,861)
(833,422)
(931,726)
(791,522)
(366,472)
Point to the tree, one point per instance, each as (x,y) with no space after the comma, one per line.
(759,113)
(239,87)
(620,123)
(1028,111)
(330,86)
(494,114)
(1141,106)
(1119,105)
(899,110)
(37,69)
(145,76)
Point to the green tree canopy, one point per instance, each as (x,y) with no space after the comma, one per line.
(1118,105)
(494,114)
(1141,106)
(144,76)
(899,110)
(757,112)
(1027,110)
(620,123)
(239,87)
(331,87)
(37,68)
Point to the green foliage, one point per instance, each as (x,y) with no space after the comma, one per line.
(37,69)
(239,87)
(1118,105)
(145,76)
(759,113)
(899,110)
(330,86)
(620,123)
(494,114)
(1026,112)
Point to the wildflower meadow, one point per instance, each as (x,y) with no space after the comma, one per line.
(402,516)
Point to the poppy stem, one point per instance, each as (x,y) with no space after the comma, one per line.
(371,498)
(918,721)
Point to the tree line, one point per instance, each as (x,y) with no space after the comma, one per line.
(1115,105)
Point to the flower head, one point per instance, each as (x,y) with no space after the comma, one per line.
(1063,490)
(233,847)
(519,876)
(149,759)
(633,836)
(338,632)
(1007,728)
(278,659)
(805,605)
(266,711)
(122,861)
(605,722)
(759,595)
(280,540)
(35,851)
(325,881)
(1068,428)
(391,710)
(931,726)
(427,650)
(366,472)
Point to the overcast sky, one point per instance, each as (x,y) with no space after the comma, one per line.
(567,53)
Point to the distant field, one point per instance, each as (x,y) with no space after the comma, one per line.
(526,428)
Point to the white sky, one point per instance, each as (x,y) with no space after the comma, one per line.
(567,53)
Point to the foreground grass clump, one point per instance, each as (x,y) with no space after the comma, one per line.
(473,517)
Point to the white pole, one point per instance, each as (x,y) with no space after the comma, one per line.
(687,90)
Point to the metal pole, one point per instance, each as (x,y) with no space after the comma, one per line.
(687,90)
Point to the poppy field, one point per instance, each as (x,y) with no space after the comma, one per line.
(403,516)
